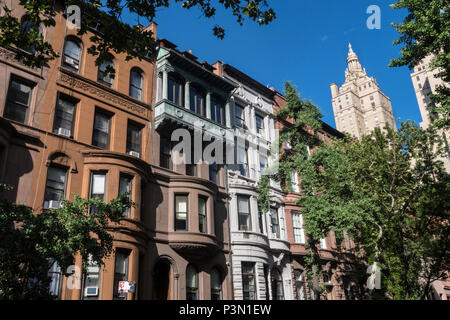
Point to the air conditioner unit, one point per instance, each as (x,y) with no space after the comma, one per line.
(64,132)
(70,62)
(91,291)
(52,204)
(134,154)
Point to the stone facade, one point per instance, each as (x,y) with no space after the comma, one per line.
(258,239)
(359,105)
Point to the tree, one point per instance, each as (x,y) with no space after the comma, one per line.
(390,193)
(301,124)
(31,243)
(425,32)
(113,34)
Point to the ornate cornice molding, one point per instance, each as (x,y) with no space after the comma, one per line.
(84,85)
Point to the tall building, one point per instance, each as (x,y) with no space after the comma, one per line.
(260,250)
(425,83)
(359,105)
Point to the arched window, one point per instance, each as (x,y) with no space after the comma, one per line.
(197,97)
(216,284)
(277,285)
(72,55)
(28,27)
(136,83)
(191,283)
(175,87)
(103,77)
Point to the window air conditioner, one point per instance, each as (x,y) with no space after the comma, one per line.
(64,132)
(52,204)
(91,291)
(134,154)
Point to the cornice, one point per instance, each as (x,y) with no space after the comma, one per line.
(75,81)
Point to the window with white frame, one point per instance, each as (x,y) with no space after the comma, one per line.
(91,283)
(98,185)
(72,55)
(259,125)
(239,116)
(323,243)
(275,222)
(244,215)
(297,223)
(202,214)
(125,183)
(181,212)
(120,272)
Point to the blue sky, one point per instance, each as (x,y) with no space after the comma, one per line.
(307,44)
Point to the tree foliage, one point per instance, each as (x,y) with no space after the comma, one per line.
(390,193)
(31,243)
(113,34)
(426,31)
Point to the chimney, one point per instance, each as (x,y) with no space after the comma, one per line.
(152,27)
(218,68)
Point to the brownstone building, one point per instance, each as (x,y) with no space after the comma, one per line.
(69,129)
(339,280)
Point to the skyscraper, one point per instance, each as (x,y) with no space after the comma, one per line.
(359,105)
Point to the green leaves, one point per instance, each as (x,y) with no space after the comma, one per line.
(113,35)
(426,31)
(28,242)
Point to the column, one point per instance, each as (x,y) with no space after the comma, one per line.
(208,104)
(252,119)
(187,95)
(227,115)
(266,128)
(165,83)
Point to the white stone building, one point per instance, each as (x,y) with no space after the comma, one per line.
(359,105)
(260,251)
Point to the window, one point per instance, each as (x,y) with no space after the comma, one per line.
(104,77)
(371,98)
(30,27)
(55,276)
(202,214)
(275,223)
(260,220)
(125,183)
(299,285)
(217,110)
(134,139)
(64,116)
(175,88)
(166,153)
(197,98)
(55,187)
(181,212)
(91,285)
(136,83)
(244,216)
(120,273)
(191,283)
(262,164)
(18,100)
(340,241)
(71,55)
(294,181)
(216,285)
(277,285)
(214,173)
(239,116)
(259,125)
(248,281)
(299,231)
(323,243)
(241,153)
(100,136)
(98,183)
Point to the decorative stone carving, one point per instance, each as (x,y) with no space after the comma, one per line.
(99,92)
